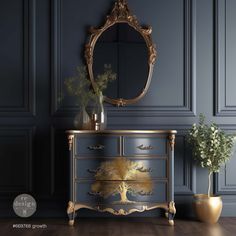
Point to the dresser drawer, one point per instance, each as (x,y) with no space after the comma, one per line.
(87,168)
(109,195)
(97,146)
(145,146)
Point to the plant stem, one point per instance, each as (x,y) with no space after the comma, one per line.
(209,183)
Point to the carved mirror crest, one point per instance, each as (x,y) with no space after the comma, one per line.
(125,45)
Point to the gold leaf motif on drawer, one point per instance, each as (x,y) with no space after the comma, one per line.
(122,176)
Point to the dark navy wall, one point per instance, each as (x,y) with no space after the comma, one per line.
(41,43)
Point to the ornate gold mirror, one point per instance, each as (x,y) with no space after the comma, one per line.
(122,43)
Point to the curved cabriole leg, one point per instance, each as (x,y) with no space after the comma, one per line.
(167,214)
(171,212)
(71,213)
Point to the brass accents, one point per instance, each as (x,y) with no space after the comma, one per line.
(143,169)
(78,206)
(92,171)
(207,209)
(121,132)
(96,147)
(71,213)
(143,147)
(166,215)
(121,14)
(126,212)
(171,222)
(172,141)
(70,141)
(170,214)
(71,222)
(118,176)
(172,207)
(120,102)
(120,211)
(71,207)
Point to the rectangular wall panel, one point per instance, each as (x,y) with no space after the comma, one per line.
(16,160)
(225,57)
(172,92)
(17,57)
(225,180)
(184,169)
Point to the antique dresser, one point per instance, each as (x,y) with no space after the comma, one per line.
(121,171)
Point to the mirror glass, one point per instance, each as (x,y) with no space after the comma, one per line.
(125,49)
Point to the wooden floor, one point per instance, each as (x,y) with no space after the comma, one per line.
(116,227)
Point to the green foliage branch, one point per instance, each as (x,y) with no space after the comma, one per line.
(80,87)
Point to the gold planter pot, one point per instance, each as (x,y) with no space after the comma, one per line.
(207,209)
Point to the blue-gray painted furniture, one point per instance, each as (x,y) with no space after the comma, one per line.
(121,171)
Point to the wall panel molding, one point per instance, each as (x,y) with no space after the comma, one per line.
(188,176)
(221,107)
(225,183)
(222,185)
(56,89)
(189,85)
(20,139)
(29,68)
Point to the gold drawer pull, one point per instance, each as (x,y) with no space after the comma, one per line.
(94,193)
(143,193)
(143,147)
(96,147)
(144,170)
(93,171)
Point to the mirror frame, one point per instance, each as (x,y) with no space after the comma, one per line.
(121,14)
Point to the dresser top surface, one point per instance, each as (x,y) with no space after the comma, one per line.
(121,132)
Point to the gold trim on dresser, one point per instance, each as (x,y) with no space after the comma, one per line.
(121,132)
(70,141)
(172,141)
(73,207)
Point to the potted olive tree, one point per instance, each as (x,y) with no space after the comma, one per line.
(212,148)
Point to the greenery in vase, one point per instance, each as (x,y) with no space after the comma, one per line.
(212,147)
(103,79)
(79,86)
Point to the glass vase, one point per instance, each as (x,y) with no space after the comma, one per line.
(99,116)
(82,120)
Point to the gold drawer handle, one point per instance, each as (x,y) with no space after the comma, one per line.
(94,193)
(96,147)
(93,171)
(143,193)
(143,147)
(144,170)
